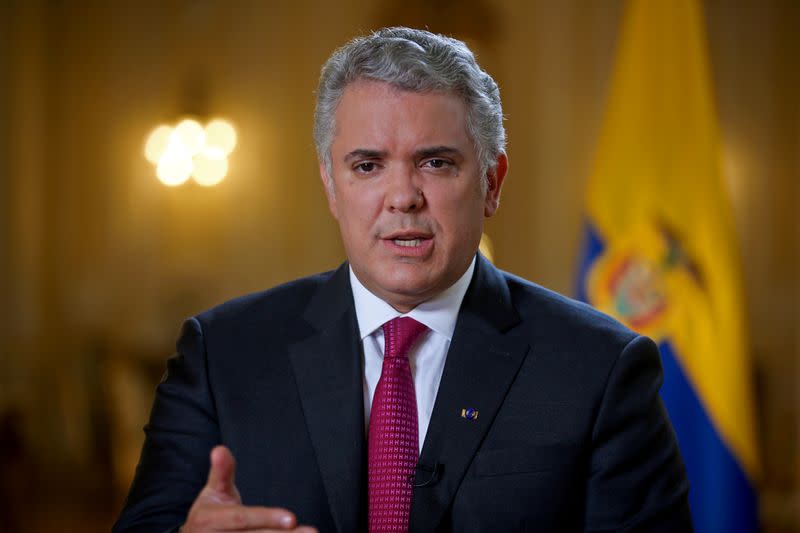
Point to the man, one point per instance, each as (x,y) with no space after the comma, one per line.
(488,403)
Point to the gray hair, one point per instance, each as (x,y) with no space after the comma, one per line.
(418,61)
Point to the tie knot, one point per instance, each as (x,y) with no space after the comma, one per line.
(400,334)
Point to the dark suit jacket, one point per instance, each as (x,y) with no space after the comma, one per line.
(570,436)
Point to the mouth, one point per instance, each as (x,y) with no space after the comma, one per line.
(408,237)
(409,242)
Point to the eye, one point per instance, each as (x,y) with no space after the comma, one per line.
(366,167)
(437,163)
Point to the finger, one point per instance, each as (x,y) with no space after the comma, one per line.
(242,518)
(299,529)
(222,472)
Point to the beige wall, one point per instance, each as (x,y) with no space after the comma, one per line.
(99,262)
(754,47)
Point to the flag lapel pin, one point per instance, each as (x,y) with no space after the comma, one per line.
(470,413)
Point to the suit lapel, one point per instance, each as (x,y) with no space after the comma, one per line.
(481,365)
(327,368)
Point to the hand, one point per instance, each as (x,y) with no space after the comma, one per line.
(219,507)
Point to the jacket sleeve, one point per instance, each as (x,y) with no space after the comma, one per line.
(637,480)
(182,430)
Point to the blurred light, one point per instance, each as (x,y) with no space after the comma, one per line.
(213,152)
(209,171)
(174,167)
(222,134)
(486,248)
(190,150)
(191,134)
(157,143)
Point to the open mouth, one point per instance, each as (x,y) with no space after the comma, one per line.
(408,243)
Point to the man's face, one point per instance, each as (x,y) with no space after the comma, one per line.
(406,190)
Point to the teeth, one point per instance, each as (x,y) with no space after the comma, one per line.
(407,242)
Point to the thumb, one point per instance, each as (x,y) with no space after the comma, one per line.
(222,472)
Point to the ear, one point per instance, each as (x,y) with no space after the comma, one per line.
(494,182)
(330,194)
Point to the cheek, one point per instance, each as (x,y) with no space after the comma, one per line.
(362,203)
(356,215)
(465,209)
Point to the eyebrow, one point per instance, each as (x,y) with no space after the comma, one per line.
(422,153)
(364,153)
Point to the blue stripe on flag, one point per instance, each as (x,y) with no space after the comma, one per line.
(720,495)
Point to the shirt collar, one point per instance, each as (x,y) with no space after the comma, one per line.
(439,313)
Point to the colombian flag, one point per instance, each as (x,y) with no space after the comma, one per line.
(660,252)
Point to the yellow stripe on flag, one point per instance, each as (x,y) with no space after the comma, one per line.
(656,196)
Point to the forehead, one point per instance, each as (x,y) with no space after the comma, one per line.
(376,113)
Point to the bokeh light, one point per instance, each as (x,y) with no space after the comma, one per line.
(174,167)
(191,150)
(157,143)
(222,134)
(209,169)
(190,134)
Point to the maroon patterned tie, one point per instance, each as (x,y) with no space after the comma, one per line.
(393,431)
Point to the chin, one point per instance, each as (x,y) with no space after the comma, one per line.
(408,280)
(405,288)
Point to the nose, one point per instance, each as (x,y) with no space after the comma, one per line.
(403,193)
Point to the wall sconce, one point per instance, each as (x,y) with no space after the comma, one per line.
(190,150)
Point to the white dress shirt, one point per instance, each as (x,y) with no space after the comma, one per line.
(428,355)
